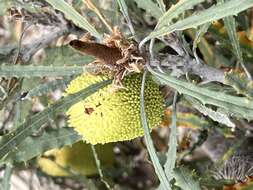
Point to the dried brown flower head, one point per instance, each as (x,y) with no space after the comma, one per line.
(117,55)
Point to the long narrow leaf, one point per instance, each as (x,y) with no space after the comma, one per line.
(5,181)
(172,152)
(28,71)
(231,29)
(219,11)
(123,9)
(236,106)
(98,165)
(175,11)
(161,5)
(214,115)
(74,16)
(165,184)
(33,146)
(48,87)
(201,31)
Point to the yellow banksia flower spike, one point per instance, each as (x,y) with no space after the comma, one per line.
(111,116)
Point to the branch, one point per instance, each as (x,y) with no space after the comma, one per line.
(181,65)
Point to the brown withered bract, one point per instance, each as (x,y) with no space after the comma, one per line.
(88,110)
(116,55)
(102,52)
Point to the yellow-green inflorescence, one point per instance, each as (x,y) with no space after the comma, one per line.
(77,159)
(111,116)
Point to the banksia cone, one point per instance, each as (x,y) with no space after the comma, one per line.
(111,116)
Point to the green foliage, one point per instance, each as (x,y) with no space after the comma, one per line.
(74,16)
(240,82)
(23,84)
(175,11)
(150,7)
(214,115)
(228,8)
(165,183)
(29,71)
(3,93)
(191,120)
(184,179)
(43,89)
(231,29)
(172,152)
(124,10)
(35,122)
(5,181)
(33,146)
(225,41)
(199,34)
(161,5)
(235,106)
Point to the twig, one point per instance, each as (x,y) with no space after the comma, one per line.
(182,65)
(92,7)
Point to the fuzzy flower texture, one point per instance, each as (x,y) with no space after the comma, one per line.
(111,116)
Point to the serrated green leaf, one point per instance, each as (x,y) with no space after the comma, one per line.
(240,83)
(175,11)
(164,182)
(28,71)
(5,181)
(34,146)
(161,5)
(13,139)
(172,152)
(231,7)
(214,115)
(236,106)
(124,10)
(150,7)
(184,179)
(229,23)
(48,87)
(200,32)
(21,111)
(231,28)
(98,165)
(74,16)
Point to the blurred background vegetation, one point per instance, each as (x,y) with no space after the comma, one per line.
(209,48)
